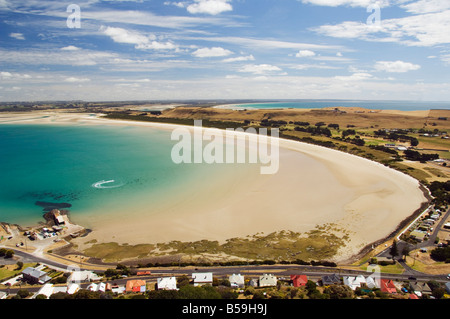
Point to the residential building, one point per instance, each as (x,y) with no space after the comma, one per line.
(72,288)
(167,283)
(253,283)
(420,288)
(447,287)
(100,287)
(331,279)
(35,276)
(136,286)
(372,282)
(355,282)
(299,280)
(388,286)
(200,279)
(267,280)
(236,281)
(46,290)
(82,276)
(418,235)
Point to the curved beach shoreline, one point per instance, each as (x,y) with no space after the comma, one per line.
(314,186)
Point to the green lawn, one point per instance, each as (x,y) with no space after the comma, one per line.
(390,269)
(11,270)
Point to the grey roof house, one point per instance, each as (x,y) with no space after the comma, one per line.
(35,276)
(331,279)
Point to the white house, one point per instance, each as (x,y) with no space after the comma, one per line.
(267,280)
(166,283)
(72,288)
(92,287)
(354,282)
(205,278)
(237,281)
(97,287)
(372,282)
(46,290)
(82,276)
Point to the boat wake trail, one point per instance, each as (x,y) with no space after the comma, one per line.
(107,184)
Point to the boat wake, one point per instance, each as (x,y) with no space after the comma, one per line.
(107,184)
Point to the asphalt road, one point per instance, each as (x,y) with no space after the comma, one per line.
(279,270)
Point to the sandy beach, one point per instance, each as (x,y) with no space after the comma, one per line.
(314,186)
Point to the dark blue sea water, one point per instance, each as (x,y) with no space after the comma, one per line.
(373,105)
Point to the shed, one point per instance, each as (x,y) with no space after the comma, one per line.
(57,217)
(253,283)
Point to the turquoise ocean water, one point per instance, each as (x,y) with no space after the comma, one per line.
(85,167)
(374,105)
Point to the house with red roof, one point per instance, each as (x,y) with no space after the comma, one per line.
(387,285)
(136,286)
(299,280)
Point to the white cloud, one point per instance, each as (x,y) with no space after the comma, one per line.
(51,57)
(427,6)
(313,66)
(445,58)
(121,35)
(76,80)
(70,48)
(416,30)
(259,68)
(305,53)
(140,41)
(18,36)
(355,77)
(5,75)
(351,3)
(212,7)
(396,66)
(239,59)
(176,4)
(211,52)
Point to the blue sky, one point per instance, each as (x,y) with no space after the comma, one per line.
(224,49)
